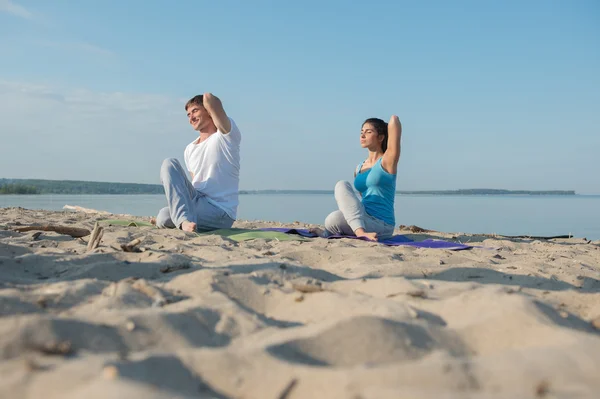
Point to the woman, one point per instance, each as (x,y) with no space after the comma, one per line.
(375,179)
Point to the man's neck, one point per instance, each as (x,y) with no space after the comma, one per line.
(206,132)
(208,129)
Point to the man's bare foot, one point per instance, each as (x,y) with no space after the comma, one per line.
(318,231)
(188,226)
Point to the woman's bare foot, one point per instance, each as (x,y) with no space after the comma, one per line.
(370,236)
(188,226)
(318,231)
(363,233)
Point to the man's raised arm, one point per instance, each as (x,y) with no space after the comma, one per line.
(215,108)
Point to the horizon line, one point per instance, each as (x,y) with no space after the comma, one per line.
(277,189)
(308,189)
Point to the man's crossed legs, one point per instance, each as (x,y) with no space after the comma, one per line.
(187,208)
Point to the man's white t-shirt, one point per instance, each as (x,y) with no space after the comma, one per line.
(215,163)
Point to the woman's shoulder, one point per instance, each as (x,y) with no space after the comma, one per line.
(379,165)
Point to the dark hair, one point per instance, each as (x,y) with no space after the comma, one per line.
(381,128)
(196,100)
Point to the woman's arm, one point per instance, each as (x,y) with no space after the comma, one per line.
(392,154)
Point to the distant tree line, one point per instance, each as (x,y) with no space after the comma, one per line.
(35,186)
(18,189)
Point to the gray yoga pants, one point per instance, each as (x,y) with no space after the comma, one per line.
(186,203)
(352,215)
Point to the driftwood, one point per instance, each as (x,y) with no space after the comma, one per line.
(131,245)
(95,238)
(74,232)
(415,229)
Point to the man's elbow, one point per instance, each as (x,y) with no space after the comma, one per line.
(225,127)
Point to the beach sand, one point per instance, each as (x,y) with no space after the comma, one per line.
(205,316)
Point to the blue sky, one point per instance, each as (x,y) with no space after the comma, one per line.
(491,94)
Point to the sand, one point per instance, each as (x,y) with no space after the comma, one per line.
(209,317)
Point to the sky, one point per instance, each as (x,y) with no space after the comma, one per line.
(499,94)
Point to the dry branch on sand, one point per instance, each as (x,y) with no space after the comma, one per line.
(131,245)
(74,232)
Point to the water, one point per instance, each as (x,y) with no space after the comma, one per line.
(503,214)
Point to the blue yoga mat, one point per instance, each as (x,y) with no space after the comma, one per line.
(393,241)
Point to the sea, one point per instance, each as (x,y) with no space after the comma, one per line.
(536,215)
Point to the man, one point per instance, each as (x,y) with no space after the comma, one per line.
(210,201)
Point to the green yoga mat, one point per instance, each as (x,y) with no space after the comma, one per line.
(247,234)
(129,223)
(233,234)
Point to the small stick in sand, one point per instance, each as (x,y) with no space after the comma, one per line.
(54,348)
(307,288)
(31,365)
(418,293)
(42,302)
(131,245)
(95,238)
(110,372)
(542,389)
(288,389)
(74,232)
(157,298)
(169,269)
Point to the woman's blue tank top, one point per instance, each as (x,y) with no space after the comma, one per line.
(378,190)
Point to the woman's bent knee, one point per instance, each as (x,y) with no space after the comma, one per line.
(342,188)
(334,220)
(342,185)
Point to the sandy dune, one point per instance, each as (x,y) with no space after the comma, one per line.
(205,316)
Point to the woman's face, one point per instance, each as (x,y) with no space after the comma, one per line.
(369,137)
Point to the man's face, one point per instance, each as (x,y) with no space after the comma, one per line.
(198,116)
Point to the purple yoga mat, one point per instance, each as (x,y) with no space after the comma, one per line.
(393,241)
